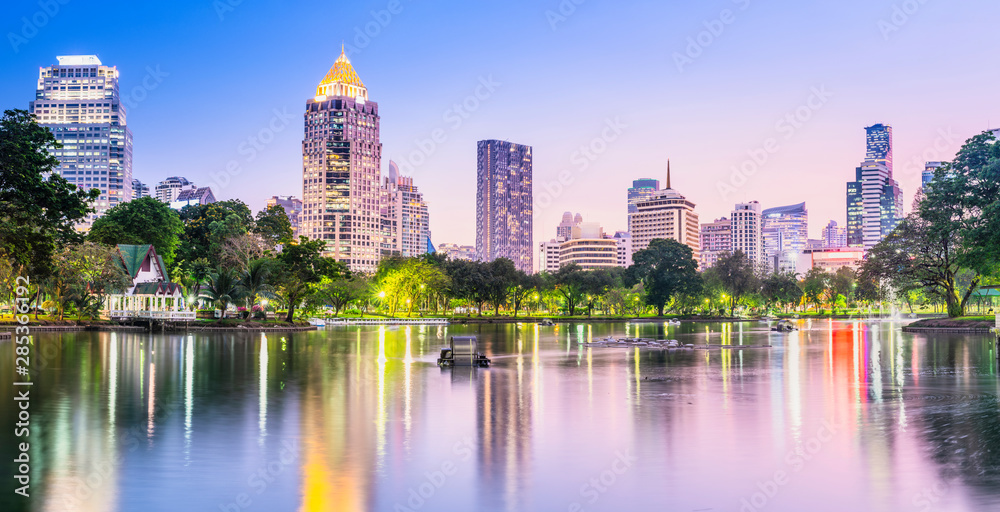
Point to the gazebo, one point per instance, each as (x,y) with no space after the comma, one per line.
(151,294)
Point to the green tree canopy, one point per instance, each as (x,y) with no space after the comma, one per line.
(738,276)
(668,271)
(141,221)
(37,215)
(273,226)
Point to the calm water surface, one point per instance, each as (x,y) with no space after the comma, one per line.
(839,416)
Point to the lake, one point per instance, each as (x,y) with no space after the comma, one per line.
(837,416)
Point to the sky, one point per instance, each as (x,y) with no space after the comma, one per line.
(749,100)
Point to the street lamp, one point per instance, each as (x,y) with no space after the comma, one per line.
(381,295)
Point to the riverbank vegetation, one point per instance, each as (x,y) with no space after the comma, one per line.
(249,267)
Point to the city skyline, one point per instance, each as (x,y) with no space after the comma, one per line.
(158,78)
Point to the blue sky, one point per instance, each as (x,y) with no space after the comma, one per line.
(707,84)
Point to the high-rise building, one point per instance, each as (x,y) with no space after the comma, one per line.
(78,100)
(458,252)
(668,215)
(168,189)
(786,230)
(341,167)
(716,240)
(504,203)
(928,175)
(641,190)
(878,139)
(293,209)
(587,246)
(748,233)
(874,205)
(139,189)
(834,236)
(565,228)
(193,196)
(404,205)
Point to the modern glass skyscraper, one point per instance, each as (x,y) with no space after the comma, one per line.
(878,138)
(874,205)
(641,190)
(786,230)
(78,100)
(341,162)
(928,175)
(504,203)
(834,236)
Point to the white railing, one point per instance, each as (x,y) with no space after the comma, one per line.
(154,315)
(386,321)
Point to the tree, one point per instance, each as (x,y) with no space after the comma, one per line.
(921,252)
(738,277)
(523,286)
(273,226)
(223,288)
(781,289)
(138,222)
(668,271)
(841,285)
(256,281)
(814,285)
(37,215)
(238,251)
(202,239)
(568,282)
(300,266)
(342,291)
(502,276)
(98,269)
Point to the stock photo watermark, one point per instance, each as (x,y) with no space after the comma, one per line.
(581,159)
(901,14)
(22,390)
(603,482)
(795,460)
(713,30)
(435,479)
(150,81)
(250,147)
(380,20)
(941,149)
(786,126)
(32,25)
(454,117)
(562,12)
(267,474)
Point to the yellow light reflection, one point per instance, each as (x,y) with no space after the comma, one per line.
(262,390)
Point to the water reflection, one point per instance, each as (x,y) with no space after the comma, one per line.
(858,416)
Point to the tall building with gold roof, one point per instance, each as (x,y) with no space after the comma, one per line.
(341,161)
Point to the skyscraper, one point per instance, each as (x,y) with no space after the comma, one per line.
(928,175)
(874,205)
(834,236)
(716,240)
(565,228)
(139,189)
(786,230)
(341,162)
(878,139)
(404,205)
(641,190)
(78,100)
(168,189)
(668,215)
(504,203)
(748,232)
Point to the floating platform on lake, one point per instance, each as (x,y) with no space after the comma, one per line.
(730,347)
(462,351)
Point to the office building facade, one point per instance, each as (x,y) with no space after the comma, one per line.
(341,162)
(786,230)
(504,203)
(139,189)
(874,205)
(405,207)
(878,142)
(834,236)
(168,189)
(668,215)
(78,99)
(293,209)
(716,241)
(748,233)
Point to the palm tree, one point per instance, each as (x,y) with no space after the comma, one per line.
(255,281)
(223,288)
